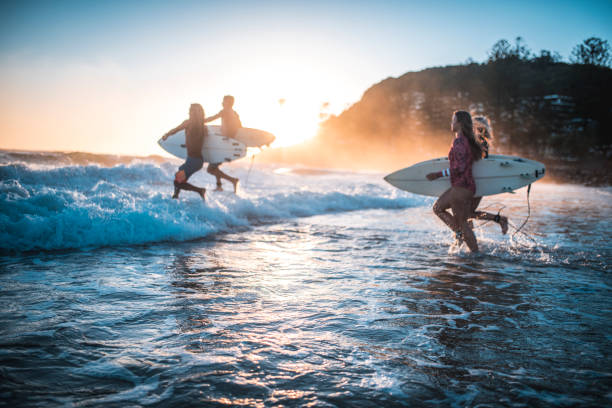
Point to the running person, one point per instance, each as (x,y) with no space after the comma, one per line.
(482,129)
(464,151)
(195,132)
(230,123)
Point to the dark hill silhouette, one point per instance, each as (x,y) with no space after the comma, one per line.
(551,111)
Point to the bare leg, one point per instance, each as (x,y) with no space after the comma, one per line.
(460,201)
(462,205)
(180,183)
(177,190)
(475,203)
(440,207)
(189,187)
(179,177)
(482,215)
(500,219)
(215,171)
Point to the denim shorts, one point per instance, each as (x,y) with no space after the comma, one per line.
(191,165)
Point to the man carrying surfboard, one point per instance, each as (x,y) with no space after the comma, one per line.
(463,153)
(230,123)
(195,132)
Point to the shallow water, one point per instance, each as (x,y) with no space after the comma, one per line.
(308,289)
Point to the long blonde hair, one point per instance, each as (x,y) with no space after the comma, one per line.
(484,132)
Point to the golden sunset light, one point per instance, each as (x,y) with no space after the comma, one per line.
(322,203)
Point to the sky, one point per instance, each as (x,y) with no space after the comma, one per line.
(113,76)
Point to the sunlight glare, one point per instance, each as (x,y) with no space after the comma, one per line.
(279,102)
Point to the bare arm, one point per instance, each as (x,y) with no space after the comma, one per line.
(211,118)
(176,129)
(433,176)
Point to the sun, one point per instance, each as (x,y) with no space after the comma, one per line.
(295,123)
(292,121)
(281,98)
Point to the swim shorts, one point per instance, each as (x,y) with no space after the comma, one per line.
(191,165)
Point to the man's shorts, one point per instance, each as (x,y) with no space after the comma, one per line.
(191,165)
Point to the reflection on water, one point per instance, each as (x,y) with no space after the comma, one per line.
(366,308)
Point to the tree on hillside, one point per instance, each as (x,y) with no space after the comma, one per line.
(539,106)
(499,51)
(593,51)
(504,51)
(547,57)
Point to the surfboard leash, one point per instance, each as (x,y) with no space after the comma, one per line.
(516,229)
(528,213)
(485,208)
(249,172)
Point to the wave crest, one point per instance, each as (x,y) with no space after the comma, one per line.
(75,207)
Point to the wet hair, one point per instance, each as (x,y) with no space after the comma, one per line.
(482,125)
(484,133)
(467,129)
(229,98)
(196,125)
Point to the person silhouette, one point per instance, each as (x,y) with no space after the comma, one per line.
(230,123)
(195,132)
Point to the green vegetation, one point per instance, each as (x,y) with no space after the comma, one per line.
(539,106)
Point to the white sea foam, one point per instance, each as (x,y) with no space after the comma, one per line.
(79,206)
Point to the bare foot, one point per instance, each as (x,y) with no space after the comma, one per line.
(235,183)
(503,222)
(203,193)
(219,188)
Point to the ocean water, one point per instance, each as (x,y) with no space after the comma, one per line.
(308,288)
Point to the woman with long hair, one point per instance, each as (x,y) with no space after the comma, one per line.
(463,153)
(195,132)
(484,133)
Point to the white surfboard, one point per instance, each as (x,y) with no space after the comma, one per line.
(216,148)
(250,137)
(254,137)
(494,175)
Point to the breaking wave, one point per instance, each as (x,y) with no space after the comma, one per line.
(62,205)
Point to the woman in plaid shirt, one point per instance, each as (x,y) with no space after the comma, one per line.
(464,151)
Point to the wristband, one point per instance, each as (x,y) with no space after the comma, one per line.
(446,173)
